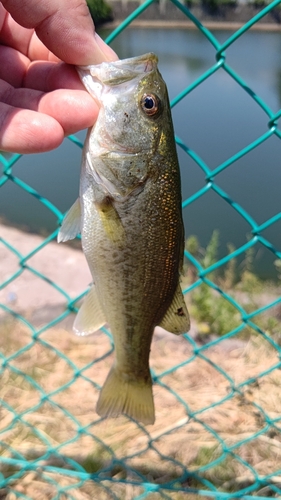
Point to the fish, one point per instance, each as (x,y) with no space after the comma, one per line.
(130,218)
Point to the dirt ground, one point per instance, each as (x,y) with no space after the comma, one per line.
(60,264)
(217,406)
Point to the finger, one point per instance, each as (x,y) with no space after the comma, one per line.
(16,36)
(22,39)
(72,109)
(16,69)
(24,131)
(65,27)
(48,76)
(13,65)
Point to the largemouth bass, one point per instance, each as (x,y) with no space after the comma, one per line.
(129,215)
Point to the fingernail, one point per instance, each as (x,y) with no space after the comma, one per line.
(107,51)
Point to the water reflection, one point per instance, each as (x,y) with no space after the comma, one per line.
(216,120)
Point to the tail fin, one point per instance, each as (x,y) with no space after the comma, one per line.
(120,395)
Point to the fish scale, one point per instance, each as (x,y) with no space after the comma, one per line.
(130,218)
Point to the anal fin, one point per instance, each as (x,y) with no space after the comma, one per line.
(176,319)
(90,317)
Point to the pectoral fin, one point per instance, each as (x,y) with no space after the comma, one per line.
(105,184)
(71,223)
(90,317)
(111,221)
(176,318)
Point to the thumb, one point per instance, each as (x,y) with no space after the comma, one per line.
(65,27)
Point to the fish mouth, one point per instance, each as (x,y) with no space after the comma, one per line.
(124,70)
(116,72)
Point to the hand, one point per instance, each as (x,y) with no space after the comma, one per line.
(41,96)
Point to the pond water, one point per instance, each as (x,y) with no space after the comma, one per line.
(216,120)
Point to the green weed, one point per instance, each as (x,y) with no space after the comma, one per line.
(213,302)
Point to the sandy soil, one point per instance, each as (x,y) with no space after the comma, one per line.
(207,399)
(60,264)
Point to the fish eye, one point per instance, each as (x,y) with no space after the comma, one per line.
(150,104)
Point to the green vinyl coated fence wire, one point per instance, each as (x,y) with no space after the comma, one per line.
(110,470)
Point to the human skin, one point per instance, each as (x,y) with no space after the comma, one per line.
(41,97)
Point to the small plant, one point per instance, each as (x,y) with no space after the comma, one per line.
(223,468)
(211,253)
(230,274)
(277,264)
(211,6)
(192,3)
(259,4)
(213,312)
(249,281)
(100,11)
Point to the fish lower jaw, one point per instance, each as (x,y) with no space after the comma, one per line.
(105,145)
(112,150)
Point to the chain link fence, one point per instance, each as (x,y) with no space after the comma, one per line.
(217,397)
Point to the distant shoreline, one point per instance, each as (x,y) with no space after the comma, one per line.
(172,24)
(168,16)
